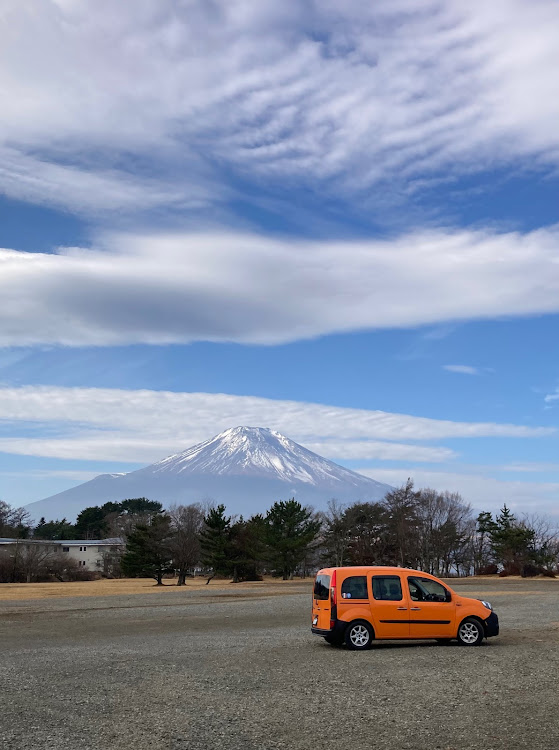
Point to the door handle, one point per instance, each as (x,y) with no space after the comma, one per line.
(404,608)
(415,608)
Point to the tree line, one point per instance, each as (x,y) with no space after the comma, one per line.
(424,529)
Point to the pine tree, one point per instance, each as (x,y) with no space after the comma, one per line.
(512,543)
(148,550)
(215,540)
(247,548)
(290,531)
(90,523)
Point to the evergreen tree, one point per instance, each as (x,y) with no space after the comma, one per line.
(90,523)
(483,553)
(512,543)
(290,531)
(215,541)
(54,530)
(139,505)
(247,548)
(148,550)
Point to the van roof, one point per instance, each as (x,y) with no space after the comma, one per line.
(369,568)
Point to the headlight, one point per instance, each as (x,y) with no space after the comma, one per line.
(486,604)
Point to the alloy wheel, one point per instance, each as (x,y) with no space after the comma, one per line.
(359,636)
(469,632)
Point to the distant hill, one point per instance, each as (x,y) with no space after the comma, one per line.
(246,468)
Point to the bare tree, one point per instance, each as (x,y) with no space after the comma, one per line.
(402,508)
(335,533)
(187,522)
(14,522)
(444,532)
(368,533)
(545,541)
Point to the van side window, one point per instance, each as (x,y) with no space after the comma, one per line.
(387,588)
(426,590)
(355,587)
(322,587)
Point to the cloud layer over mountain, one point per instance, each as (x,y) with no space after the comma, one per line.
(228,287)
(137,426)
(342,95)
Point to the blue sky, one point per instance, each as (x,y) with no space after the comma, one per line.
(338,220)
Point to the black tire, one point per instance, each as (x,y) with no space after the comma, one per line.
(359,635)
(333,640)
(470,632)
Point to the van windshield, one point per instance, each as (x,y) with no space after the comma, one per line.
(322,587)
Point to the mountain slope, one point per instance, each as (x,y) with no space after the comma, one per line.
(246,468)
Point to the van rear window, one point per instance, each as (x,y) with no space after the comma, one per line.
(322,587)
(355,587)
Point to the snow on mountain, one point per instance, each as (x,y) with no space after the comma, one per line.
(246,468)
(255,451)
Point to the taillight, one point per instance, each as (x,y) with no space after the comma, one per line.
(333,596)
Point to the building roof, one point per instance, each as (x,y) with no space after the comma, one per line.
(66,542)
(85,542)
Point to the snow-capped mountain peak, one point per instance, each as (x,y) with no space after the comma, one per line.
(246,468)
(254,451)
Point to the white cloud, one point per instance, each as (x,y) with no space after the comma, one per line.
(119,445)
(374,449)
(144,426)
(228,287)
(462,369)
(341,95)
(552,396)
(483,491)
(93,190)
(72,474)
(531,467)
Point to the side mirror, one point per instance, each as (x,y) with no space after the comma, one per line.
(448,597)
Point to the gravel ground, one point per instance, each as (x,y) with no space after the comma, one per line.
(240,669)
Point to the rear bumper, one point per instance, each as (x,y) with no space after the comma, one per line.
(491,625)
(337,632)
(323,633)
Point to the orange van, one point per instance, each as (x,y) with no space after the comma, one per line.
(360,604)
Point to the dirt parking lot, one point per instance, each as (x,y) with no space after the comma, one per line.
(238,668)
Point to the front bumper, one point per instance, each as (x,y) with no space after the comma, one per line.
(491,625)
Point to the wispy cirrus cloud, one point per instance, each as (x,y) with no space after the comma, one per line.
(143,426)
(164,288)
(462,369)
(91,190)
(341,96)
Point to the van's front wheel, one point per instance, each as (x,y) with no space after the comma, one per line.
(359,635)
(470,632)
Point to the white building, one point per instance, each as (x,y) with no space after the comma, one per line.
(88,553)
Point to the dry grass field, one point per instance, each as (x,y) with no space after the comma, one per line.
(128,586)
(123,586)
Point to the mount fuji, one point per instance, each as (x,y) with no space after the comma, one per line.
(245,468)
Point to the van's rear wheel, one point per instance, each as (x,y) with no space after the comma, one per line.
(470,632)
(359,635)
